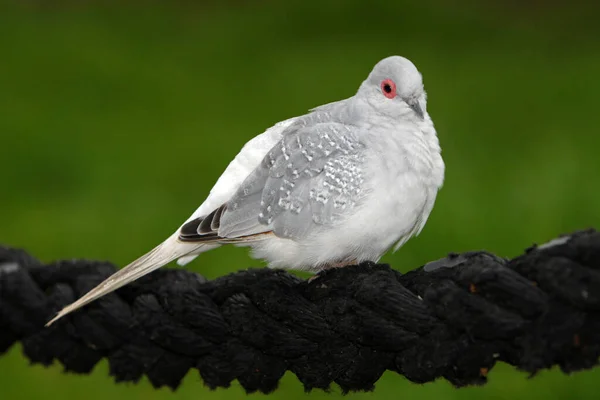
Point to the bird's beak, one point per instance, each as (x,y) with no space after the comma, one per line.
(416,107)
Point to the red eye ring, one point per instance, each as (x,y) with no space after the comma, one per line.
(388,88)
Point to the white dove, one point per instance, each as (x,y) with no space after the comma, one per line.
(334,187)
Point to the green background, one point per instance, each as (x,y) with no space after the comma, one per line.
(117,118)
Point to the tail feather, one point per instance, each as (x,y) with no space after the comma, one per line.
(183,261)
(162,254)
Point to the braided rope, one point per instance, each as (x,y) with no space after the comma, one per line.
(453,318)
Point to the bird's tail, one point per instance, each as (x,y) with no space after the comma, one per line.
(162,254)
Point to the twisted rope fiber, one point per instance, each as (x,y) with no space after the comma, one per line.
(453,318)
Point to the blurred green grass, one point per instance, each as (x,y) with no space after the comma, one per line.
(117,118)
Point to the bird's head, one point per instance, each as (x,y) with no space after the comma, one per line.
(395,88)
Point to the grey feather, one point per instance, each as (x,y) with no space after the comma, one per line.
(241,216)
(297,220)
(216,221)
(313,175)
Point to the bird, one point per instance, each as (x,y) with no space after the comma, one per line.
(334,187)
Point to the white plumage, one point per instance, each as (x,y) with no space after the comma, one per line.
(337,186)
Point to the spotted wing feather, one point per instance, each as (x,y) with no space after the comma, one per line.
(312,176)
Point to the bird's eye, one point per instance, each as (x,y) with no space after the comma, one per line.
(388,88)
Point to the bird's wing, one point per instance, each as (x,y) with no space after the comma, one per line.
(253,152)
(244,163)
(312,176)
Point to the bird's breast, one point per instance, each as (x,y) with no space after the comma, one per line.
(397,148)
(404,171)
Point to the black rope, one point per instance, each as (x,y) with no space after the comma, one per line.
(453,318)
